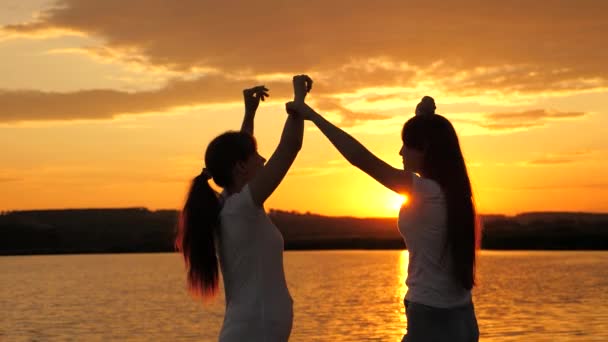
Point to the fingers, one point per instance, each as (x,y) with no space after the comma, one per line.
(261,92)
(264,94)
(308,82)
(258,91)
(305,79)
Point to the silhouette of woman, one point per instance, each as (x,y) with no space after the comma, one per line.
(233,228)
(438,224)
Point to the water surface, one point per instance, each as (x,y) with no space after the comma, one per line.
(339,296)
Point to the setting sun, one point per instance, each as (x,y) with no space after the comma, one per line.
(397,201)
(91,140)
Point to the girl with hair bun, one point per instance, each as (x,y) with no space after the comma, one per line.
(438,224)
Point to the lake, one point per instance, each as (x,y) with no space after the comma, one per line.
(339,296)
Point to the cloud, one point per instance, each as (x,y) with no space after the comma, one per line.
(464,46)
(9,179)
(522,79)
(561,158)
(212,88)
(331,167)
(28,105)
(548,188)
(95,174)
(533,115)
(349,118)
(551,161)
(595,186)
(520,120)
(508,126)
(365,73)
(211,50)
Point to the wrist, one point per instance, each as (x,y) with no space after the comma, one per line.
(313,115)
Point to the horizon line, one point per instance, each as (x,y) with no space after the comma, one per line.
(306,212)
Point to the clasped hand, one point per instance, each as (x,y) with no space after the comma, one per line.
(302,84)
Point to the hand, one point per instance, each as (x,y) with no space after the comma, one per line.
(302,84)
(300,109)
(252,97)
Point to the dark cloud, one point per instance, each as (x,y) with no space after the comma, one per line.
(465,47)
(104,104)
(516,46)
(30,105)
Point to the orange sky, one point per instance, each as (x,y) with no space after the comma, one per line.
(111,103)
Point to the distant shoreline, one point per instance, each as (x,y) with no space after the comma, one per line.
(138,230)
(39,253)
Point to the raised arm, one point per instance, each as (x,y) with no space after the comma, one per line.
(252,97)
(397,180)
(269,177)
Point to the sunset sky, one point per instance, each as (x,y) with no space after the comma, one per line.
(112,103)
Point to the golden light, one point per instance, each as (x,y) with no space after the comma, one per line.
(404,260)
(397,201)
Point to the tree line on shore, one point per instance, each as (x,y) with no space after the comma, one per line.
(141,230)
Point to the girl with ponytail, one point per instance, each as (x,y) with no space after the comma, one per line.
(231,233)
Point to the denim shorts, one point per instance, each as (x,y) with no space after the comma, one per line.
(430,324)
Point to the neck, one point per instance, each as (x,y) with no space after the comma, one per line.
(236,187)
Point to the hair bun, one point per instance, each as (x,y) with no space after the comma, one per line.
(426,106)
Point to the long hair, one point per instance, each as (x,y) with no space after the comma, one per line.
(443,162)
(197,229)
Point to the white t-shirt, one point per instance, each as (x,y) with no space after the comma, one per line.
(258,304)
(423,226)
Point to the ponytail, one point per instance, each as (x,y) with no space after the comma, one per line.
(197,227)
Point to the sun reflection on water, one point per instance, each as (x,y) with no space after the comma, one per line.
(402,288)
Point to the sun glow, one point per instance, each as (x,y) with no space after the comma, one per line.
(404,260)
(398,200)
